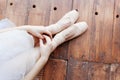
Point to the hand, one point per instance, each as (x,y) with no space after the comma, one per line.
(38,31)
(46,47)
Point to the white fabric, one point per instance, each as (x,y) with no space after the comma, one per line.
(14,42)
(14,64)
(6,23)
(17,68)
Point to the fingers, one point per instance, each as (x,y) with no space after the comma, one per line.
(47,33)
(48,39)
(39,34)
(36,34)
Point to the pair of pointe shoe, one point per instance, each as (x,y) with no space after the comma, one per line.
(67,28)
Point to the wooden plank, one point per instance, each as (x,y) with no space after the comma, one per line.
(39,11)
(115,72)
(98,71)
(2,8)
(58,9)
(55,70)
(77,70)
(103,30)
(95,44)
(116,33)
(17,11)
(79,47)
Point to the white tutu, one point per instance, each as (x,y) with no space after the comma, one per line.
(14,63)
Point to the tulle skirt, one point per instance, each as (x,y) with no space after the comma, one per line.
(15,63)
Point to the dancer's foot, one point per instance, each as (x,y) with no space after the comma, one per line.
(70,33)
(67,20)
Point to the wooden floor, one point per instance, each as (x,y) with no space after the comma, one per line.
(94,55)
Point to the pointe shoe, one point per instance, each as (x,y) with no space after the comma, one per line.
(71,17)
(67,20)
(73,31)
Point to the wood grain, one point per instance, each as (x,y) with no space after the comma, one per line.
(39,11)
(77,70)
(55,70)
(95,44)
(115,72)
(17,11)
(2,8)
(116,33)
(103,30)
(98,71)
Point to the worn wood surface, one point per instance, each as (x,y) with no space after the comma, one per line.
(116,33)
(95,55)
(2,8)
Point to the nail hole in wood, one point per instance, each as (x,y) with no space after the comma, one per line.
(34,6)
(96,13)
(11,4)
(117,16)
(55,8)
